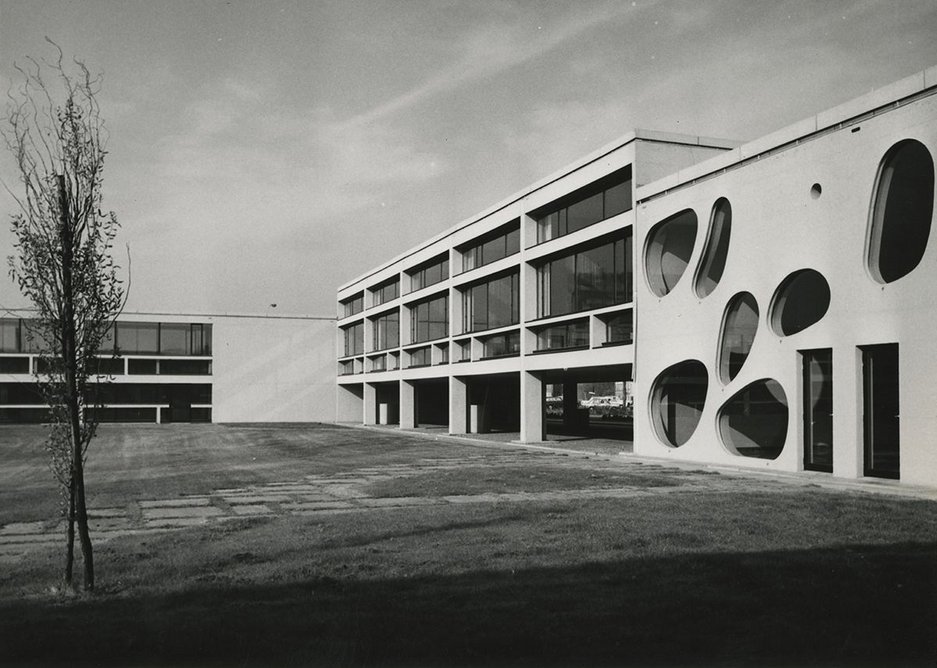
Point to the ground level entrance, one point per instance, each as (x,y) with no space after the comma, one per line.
(592,402)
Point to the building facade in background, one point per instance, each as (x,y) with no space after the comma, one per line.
(164,368)
(770,305)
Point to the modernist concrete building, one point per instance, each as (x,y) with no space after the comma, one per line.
(773,303)
(192,368)
(533,297)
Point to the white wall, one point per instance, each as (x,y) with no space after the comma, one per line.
(273,369)
(778,228)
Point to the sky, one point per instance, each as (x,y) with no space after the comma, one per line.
(266,152)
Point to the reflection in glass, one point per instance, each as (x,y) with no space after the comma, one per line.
(669,247)
(429,319)
(592,278)
(801,300)
(739,325)
(818,409)
(716,251)
(753,423)
(677,400)
(596,202)
(567,335)
(902,211)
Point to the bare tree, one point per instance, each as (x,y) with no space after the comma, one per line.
(63,264)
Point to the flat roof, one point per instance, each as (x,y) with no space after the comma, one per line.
(22,312)
(598,154)
(920,83)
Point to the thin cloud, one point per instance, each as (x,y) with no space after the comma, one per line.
(492,50)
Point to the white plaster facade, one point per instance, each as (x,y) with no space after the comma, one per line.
(800,198)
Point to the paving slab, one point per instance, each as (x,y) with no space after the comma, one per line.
(111,523)
(316,497)
(178,522)
(32,539)
(106,512)
(151,514)
(317,505)
(22,527)
(183,502)
(401,501)
(251,510)
(254,499)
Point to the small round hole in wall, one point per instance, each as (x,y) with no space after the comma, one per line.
(816,190)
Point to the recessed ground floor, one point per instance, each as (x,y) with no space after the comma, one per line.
(586,402)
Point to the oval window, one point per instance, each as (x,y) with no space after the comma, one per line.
(716,248)
(668,251)
(677,400)
(739,325)
(902,209)
(753,423)
(801,300)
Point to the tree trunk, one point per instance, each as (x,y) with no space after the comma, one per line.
(70,540)
(87,554)
(72,400)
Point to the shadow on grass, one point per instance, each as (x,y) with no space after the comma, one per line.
(856,605)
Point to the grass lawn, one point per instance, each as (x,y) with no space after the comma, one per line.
(691,568)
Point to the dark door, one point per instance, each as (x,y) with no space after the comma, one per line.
(881,410)
(818,409)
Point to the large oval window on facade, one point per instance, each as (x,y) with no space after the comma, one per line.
(739,325)
(753,423)
(668,251)
(902,210)
(677,400)
(801,300)
(716,249)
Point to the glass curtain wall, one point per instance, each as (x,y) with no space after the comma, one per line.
(429,320)
(353,305)
(494,303)
(132,338)
(430,274)
(590,279)
(387,292)
(569,335)
(386,331)
(603,199)
(155,338)
(492,249)
(354,339)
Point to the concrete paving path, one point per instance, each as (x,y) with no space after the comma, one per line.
(313,494)
(348,492)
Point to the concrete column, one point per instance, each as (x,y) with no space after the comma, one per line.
(528,304)
(458,405)
(532,417)
(370,404)
(570,404)
(407,405)
(848,437)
